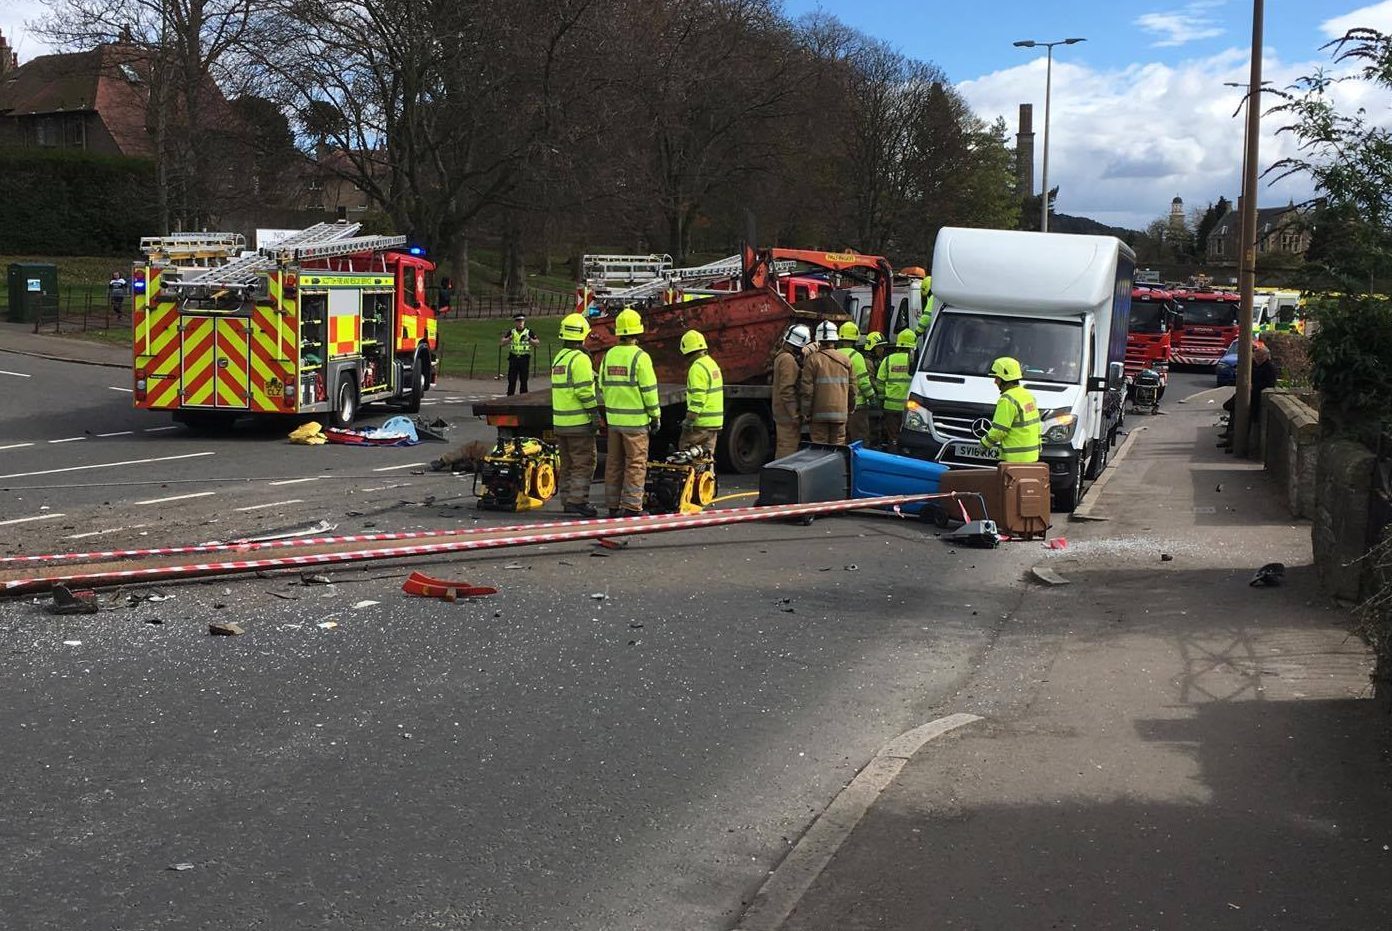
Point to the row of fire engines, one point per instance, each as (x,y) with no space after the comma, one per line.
(321,322)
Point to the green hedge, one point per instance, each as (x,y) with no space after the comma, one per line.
(74,203)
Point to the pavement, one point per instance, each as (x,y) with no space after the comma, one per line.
(1159,745)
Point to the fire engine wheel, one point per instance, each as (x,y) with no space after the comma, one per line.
(544,482)
(346,406)
(705,488)
(417,384)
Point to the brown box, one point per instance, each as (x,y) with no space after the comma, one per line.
(1025,495)
(986,482)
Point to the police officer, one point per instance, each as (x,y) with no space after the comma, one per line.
(896,371)
(705,395)
(787,408)
(629,384)
(858,423)
(520,342)
(574,415)
(826,388)
(1015,426)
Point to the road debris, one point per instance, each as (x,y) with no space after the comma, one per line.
(225,629)
(179,867)
(323,526)
(327,625)
(598,596)
(1057,543)
(424,586)
(310,578)
(1166,557)
(1048,576)
(72,643)
(610,544)
(68,601)
(283,596)
(366,603)
(1269,575)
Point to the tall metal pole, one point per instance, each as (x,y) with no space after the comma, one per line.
(1247,268)
(1048,92)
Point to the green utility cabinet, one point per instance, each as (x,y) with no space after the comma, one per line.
(33,290)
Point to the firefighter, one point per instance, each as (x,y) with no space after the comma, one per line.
(629,384)
(1015,426)
(787,411)
(520,342)
(826,387)
(896,371)
(705,396)
(575,415)
(926,317)
(858,423)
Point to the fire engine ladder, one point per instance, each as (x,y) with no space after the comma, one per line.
(630,268)
(191,248)
(323,240)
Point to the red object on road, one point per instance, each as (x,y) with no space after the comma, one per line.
(425,586)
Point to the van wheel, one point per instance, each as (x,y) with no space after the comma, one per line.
(743,446)
(416,383)
(1101,454)
(346,408)
(1067,500)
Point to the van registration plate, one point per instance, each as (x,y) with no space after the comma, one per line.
(977,451)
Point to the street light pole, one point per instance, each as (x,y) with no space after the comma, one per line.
(1048,93)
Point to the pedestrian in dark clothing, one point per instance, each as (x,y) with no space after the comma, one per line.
(116,291)
(1264,375)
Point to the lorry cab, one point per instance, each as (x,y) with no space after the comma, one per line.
(1060,305)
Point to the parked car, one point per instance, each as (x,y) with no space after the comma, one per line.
(1227,366)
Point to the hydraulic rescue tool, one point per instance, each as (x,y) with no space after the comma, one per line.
(683,483)
(518,474)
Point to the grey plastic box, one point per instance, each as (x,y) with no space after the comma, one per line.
(813,473)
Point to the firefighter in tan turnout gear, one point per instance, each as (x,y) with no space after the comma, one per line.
(629,384)
(787,409)
(575,415)
(826,388)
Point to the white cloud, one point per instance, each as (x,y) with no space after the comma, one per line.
(1178,27)
(1377,16)
(1124,142)
(13,15)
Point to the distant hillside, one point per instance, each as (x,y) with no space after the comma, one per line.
(1063,223)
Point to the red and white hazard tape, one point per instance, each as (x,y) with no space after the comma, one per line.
(598,528)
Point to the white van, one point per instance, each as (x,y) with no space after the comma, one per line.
(1057,303)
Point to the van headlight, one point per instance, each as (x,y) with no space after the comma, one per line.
(1058,428)
(916,417)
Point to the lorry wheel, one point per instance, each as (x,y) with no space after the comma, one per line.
(417,384)
(744,444)
(1067,500)
(346,410)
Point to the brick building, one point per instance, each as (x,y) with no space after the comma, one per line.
(1281,231)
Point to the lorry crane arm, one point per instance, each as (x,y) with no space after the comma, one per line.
(759,271)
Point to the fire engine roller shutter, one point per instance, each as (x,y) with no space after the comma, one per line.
(344,321)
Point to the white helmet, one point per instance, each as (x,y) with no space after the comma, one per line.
(797,336)
(826,332)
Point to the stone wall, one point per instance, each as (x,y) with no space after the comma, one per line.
(1289,443)
(1343,486)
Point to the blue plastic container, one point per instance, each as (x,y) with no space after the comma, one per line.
(875,474)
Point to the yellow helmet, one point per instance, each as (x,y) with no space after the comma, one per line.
(873,339)
(905,339)
(575,328)
(628,323)
(692,341)
(849,331)
(1006,369)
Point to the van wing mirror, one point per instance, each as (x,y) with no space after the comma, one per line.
(1116,375)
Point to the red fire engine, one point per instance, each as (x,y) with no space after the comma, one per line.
(1207,326)
(1153,315)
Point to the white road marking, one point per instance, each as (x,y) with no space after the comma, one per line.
(172,426)
(25,520)
(16,446)
(106,465)
(114,388)
(295,481)
(385,487)
(196,494)
(118,433)
(99,533)
(409,465)
(71,439)
(16,374)
(273,504)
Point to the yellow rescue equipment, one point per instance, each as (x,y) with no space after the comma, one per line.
(518,474)
(683,483)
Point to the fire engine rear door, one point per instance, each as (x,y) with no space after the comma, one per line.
(215,352)
(233,350)
(199,354)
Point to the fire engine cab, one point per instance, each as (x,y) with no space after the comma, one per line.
(322,322)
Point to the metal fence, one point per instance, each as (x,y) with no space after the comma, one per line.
(79,310)
(535,303)
(484,361)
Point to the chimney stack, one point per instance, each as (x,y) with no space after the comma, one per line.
(1024,152)
(9,61)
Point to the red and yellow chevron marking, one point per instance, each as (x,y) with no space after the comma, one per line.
(232,388)
(271,371)
(158,354)
(199,355)
(343,335)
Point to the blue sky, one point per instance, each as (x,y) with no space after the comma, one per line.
(1140,113)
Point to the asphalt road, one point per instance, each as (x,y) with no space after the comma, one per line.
(543,758)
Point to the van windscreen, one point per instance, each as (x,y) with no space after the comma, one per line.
(967,344)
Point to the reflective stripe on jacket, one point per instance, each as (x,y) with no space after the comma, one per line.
(1015,426)
(894,376)
(705,394)
(573,400)
(521,342)
(825,387)
(630,389)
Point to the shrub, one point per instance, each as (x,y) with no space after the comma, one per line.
(1351,356)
